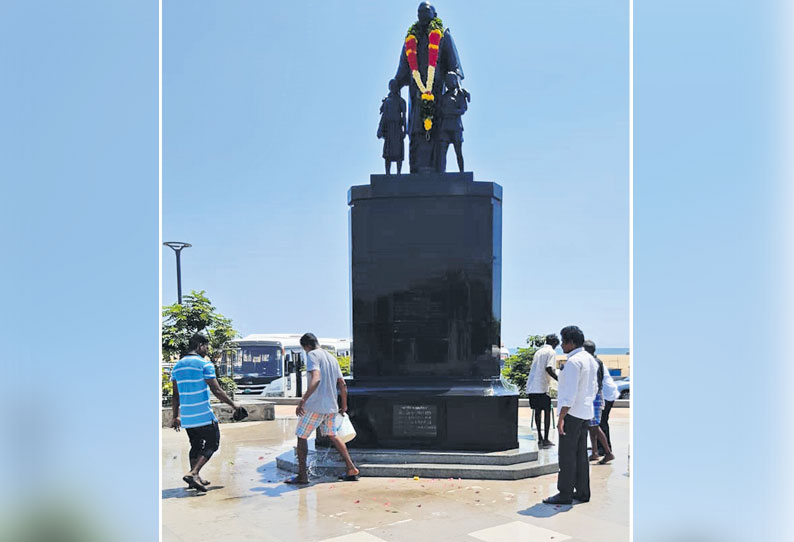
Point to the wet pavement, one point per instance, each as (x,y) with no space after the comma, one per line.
(247,499)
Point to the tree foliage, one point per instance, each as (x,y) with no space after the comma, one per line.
(517,366)
(344,364)
(228,385)
(195,314)
(167,387)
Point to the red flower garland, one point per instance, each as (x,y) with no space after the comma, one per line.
(426,87)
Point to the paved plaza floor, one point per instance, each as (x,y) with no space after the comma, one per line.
(248,501)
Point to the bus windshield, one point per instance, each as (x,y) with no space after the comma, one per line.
(259,360)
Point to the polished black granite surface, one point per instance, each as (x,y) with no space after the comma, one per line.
(426,297)
(426,276)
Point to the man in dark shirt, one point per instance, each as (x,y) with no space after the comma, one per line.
(596,433)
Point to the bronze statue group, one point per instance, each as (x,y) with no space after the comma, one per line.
(430,67)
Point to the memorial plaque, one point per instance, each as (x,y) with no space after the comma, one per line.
(415,421)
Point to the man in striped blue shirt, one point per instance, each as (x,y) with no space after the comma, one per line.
(194,377)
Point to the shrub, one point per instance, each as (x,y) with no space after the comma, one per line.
(517,367)
(344,364)
(227,384)
(167,387)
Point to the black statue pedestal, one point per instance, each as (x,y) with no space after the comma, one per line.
(426,296)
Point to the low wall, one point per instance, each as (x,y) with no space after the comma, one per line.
(620,403)
(611,361)
(257,411)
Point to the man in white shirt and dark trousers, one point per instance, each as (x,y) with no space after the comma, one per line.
(575,395)
(540,375)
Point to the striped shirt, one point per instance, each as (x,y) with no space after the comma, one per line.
(189,374)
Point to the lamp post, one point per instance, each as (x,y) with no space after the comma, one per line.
(177,247)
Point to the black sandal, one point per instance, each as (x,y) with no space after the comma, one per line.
(191,481)
(296,481)
(349,477)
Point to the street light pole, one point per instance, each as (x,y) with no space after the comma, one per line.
(177,247)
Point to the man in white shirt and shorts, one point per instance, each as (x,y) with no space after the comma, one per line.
(318,407)
(538,381)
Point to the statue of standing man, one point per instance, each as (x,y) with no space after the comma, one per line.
(428,54)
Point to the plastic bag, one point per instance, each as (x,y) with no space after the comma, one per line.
(343,428)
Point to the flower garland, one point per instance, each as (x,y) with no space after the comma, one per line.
(435,32)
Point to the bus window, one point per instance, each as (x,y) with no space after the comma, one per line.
(260,360)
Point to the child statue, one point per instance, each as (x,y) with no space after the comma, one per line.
(392,127)
(454,103)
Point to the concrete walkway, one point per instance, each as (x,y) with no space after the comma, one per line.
(248,501)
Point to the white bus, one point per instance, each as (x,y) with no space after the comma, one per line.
(286,386)
(338,347)
(262,358)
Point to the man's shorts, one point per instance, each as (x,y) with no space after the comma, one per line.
(539,401)
(204,440)
(312,420)
(598,406)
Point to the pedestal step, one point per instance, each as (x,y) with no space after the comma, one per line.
(528,451)
(508,465)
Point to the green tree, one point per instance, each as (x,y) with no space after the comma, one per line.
(167,385)
(344,364)
(195,314)
(517,367)
(221,334)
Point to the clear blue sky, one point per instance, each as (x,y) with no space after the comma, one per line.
(270,111)
(79,216)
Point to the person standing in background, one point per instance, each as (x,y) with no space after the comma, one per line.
(611,393)
(596,434)
(538,381)
(575,396)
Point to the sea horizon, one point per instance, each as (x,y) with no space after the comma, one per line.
(602,351)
